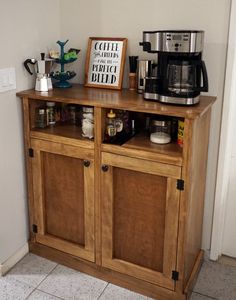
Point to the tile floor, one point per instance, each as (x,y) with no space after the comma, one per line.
(36,278)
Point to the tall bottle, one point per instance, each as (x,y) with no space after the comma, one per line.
(51,113)
(111,126)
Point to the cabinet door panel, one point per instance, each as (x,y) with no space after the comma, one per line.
(140,219)
(64,198)
(135,206)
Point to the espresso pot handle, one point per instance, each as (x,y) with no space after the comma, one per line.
(27,62)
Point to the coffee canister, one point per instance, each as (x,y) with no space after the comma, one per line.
(145,68)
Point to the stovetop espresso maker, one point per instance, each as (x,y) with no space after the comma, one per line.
(181,73)
(42,69)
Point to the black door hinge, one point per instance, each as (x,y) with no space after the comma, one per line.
(31,152)
(175,275)
(180,184)
(35,228)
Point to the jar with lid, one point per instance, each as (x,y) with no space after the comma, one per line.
(160,130)
(40,117)
(87,122)
(51,113)
(111,125)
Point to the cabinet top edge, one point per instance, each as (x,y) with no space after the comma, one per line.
(122,99)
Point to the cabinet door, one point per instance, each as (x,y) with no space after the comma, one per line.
(63,184)
(140,218)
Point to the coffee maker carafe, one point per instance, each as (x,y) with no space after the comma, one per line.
(42,68)
(181,73)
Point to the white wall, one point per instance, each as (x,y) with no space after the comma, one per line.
(224,222)
(110,18)
(26,28)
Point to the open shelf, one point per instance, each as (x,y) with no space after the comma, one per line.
(62,133)
(142,142)
(141,146)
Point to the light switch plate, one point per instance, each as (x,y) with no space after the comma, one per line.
(7,79)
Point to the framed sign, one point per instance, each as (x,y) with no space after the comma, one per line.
(105,61)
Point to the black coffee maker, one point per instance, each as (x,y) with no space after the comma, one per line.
(181,73)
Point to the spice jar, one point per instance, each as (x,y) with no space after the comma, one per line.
(111,124)
(87,122)
(51,113)
(40,117)
(160,131)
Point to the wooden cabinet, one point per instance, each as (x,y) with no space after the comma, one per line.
(63,190)
(129,213)
(140,209)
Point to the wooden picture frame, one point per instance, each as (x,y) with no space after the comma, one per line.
(105,59)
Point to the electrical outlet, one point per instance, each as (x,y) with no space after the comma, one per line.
(7,79)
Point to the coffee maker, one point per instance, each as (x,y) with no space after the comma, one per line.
(181,72)
(43,82)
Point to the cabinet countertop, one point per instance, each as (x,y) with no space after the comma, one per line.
(123,99)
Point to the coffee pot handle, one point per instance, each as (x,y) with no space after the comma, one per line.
(204,88)
(27,62)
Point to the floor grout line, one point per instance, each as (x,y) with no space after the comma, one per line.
(103,291)
(46,276)
(30,294)
(205,295)
(50,294)
(35,288)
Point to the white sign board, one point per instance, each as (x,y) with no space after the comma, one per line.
(105,62)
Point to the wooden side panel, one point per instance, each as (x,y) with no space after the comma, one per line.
(139,218)
(29,171)
(63,182)
(192,202)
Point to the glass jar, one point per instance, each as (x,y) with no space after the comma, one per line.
(87,122)
(40,117)
(160,130)
(51,113)
(111,124)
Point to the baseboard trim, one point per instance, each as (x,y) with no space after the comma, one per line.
(12,260)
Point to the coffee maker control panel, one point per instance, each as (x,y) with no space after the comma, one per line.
(173,41)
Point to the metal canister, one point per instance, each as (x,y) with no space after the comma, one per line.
(145,68)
